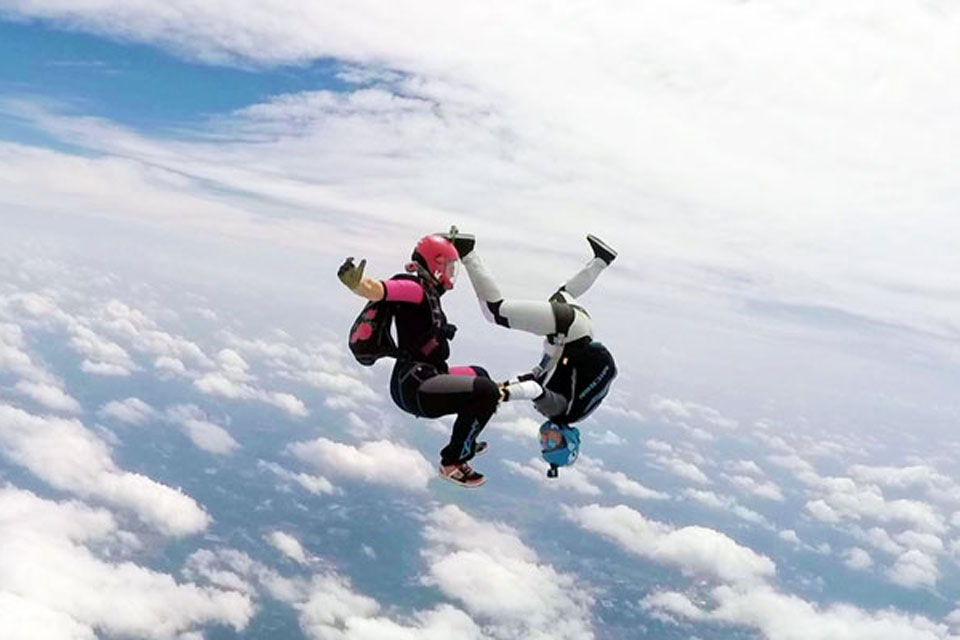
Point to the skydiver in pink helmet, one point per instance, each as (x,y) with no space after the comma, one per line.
(422,383)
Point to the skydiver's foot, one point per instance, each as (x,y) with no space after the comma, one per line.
(480,448)
(601,249)
(462,474)
(462,242)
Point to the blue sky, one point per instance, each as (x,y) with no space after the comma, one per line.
(134,84)
(180,180)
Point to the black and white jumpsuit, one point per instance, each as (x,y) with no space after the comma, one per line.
(576,371)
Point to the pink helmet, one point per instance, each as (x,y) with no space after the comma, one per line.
(438,256)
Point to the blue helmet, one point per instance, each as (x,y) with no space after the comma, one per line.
(559,445)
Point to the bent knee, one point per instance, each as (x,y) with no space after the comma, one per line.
(480,371)
(486,392)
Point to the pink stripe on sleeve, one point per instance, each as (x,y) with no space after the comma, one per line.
(463,371)
(403,291)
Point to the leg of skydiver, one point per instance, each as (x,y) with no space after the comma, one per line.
(532,316)
(543,318)
(471,371)
(418,389)
(473,398)
(539,318)
(603,255)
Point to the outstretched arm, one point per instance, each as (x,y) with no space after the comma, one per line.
(351,275)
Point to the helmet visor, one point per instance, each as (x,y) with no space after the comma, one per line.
(450,270)
(550,439)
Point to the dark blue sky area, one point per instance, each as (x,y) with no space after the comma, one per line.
(137,85)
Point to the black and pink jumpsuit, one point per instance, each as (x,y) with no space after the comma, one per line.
(422,384)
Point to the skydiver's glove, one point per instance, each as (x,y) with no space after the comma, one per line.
(462,242)
(351,274)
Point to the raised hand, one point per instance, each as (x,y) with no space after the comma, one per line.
(351,274)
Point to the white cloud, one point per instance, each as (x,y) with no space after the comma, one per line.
(318,365)
(626,486)
(521,428)
(144,335)
(682,469)
(880,539)
(339,383)
(71,458)
(36,382)
(760,488)
(316,485)
(24,619)
(570,478)
(206,435)
(61,589)
(50,396)
(334,611)
(680,411)
(288,546)
(104,369)
(923,541)
(725,503)
(850,500)
(170,365)
(14,356)
(914,569)
(327,605)
(822,511)
(221,384)
(779,616)
(858,559)
(745,467)
(835,499)
(659,446)
(694,549)
(901,477)
(234,570)
(376,462)
(789,535)
(800,467)
(103,357)
(607,438)
(131,411)
(500,580)
(233,366)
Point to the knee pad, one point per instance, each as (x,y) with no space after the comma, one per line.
(486,392)
(563,314)
(493,314)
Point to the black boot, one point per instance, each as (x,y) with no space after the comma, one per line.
(601,249)
(462,242)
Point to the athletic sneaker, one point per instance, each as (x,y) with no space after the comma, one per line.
(601,249)
(463,475)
